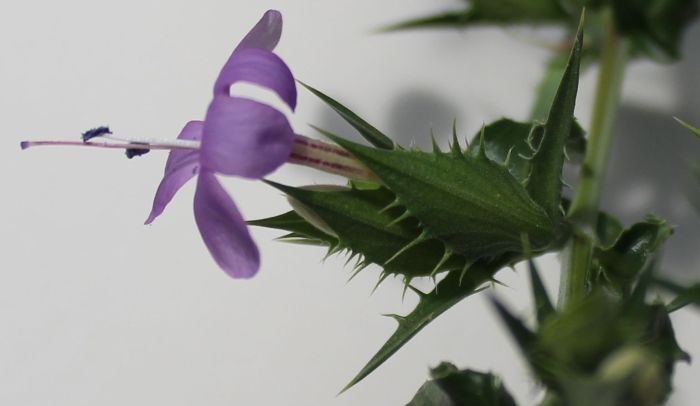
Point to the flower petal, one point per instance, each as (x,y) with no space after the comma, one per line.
(266,33)
(245,138)
(259,67)
(180,167)
(223,230)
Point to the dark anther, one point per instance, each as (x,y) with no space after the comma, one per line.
(95,132)
(132,152)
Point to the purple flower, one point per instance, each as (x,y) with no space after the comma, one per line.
(238,137)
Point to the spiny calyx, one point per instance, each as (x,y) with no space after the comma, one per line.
(472,204)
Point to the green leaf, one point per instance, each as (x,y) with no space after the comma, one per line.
(545,182)
(523,336)
(363,221)
(582,347)
(692,129)
(543,305)
(298,227)
(620,265)
(507,142)
(659,332)
(490,12)
(686,296)
(547,88)
(510,142)
(448,292)
(526,342)
(472,204)
(452,387)
(655,26)
(370,133)
(608,230)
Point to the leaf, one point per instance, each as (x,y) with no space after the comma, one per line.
(526,342)
(371,134)
(448,292)
(608,230)
(363,225)
(471,204)
(297,226)
(509,142)
(547,88)
(686,296)
(692,129)
(490,12)
(452,387)
(582,347)
(543,305)
(655,26)
(620,265)
(660,333)
(545,182)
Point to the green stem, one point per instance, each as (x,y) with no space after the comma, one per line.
(584,207)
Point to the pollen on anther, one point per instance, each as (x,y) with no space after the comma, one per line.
(132,152)
(95,132)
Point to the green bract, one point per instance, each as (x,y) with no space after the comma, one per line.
(603,351)
(471,204)
(656,27)
(452,387)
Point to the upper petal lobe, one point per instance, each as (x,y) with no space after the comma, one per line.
(265,34)
(259,67)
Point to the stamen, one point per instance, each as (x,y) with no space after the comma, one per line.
(172,145)
(305,151)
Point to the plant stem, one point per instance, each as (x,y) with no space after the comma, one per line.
(583,212)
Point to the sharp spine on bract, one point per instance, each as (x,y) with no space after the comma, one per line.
(508,157)
(467,264)
(354,273)
(482,143)
(395,203)
(396,317)
(399,219)
(382,278)
(360,265)
(418,292)
(332,250)
(421,238)
(445,257)
(406,283)
(565,184)
(455,147)
(436,147)
(566,154)
(353,255)
(497,282)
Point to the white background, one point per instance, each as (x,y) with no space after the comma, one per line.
(97,309)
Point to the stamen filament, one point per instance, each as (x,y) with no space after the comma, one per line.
(305,151)
(152,141)
(171,145)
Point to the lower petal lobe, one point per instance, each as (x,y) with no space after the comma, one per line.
(223,229)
